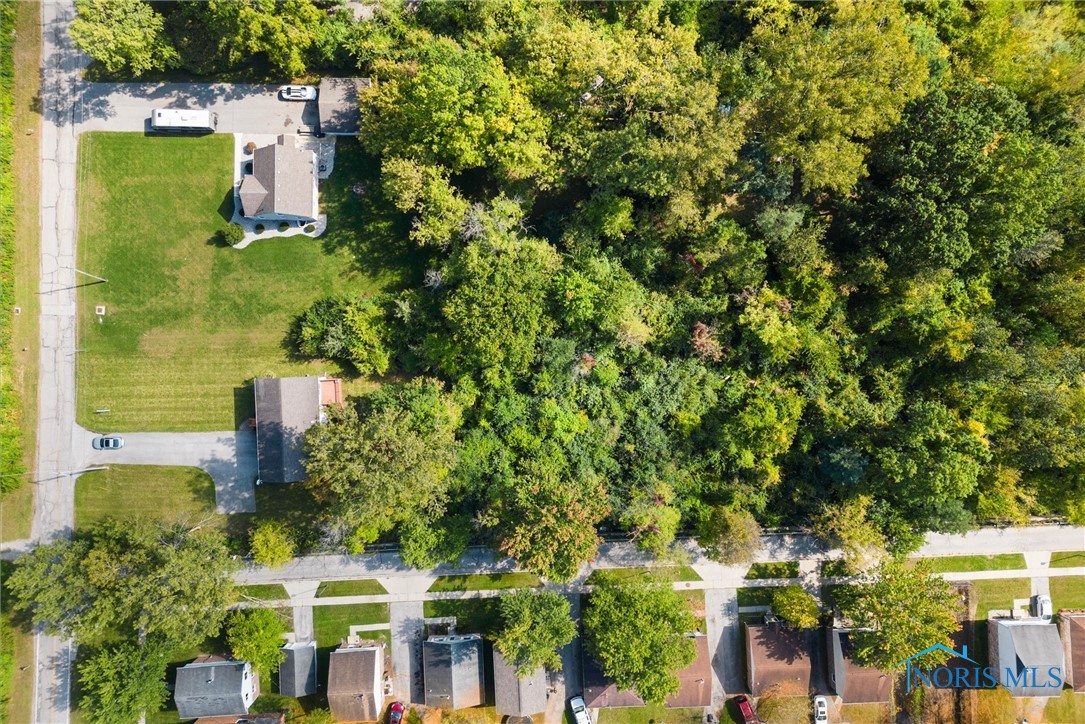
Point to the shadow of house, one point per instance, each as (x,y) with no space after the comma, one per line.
(354,683)
(213,686)
(1024,652)
(337,105)
(1072,628)
(297,673)
(282,185)
(285,408)
(514,696)
(777,655)
(453,671)
(695,684)
(854,684)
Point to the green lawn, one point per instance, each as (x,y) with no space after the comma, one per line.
(865,713)
(756,596)
(1068,559)
(266,592)
(1067,592)
(1000,562)
(190,322)
(1069,707)
(332,623)
(783,569)
(159,491)
(473,615)
(652,713)
(367,587)
(485,582)
(666,573)
(999,593)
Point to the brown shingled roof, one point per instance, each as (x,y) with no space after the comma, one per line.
(777,654)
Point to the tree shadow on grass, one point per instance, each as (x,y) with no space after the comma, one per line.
(244,404)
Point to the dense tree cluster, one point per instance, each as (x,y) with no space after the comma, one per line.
(690,267)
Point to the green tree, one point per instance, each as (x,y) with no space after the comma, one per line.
(848,526)
(136,577)
(122,34)
(256,635)
(426,542)
(348,329)
(637,632)
(426,191)
(380,468)
(123,682)
(796,606)
(535,625)
(729,536)
(901,610)
(652,518)
(272,545)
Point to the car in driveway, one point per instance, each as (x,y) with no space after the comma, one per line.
(745,710)
(821,710)
(1041,607)
(579,710)
(297,93)
(107,442)
(395,712)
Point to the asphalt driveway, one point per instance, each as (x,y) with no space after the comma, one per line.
(228,457)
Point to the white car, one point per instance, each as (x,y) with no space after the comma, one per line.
(579,709)
(297,93)
(107,442)
(821,710)
(1041,607)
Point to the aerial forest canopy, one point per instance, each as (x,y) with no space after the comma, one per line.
(689,262)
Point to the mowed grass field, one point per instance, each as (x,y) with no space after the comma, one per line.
(189,322)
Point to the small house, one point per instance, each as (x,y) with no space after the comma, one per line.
(778,656)
(214,686)
(1028,655)
(1072,627)
(515,696)
(453,671)
(297,673)
(354,683)
(695,683)
(282,185)
(285,408)
(854,684)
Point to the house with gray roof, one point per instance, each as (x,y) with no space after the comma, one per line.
(213,686)
(453,671)
(853,683)
(283,183)
(515,696)
(285,408)
(297,673)
(1026,652)
(354,682)
(337,105)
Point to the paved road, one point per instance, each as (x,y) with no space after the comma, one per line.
(240,108)
(228,457)
(57,455)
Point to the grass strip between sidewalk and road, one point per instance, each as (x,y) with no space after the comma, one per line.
(485,582)
(968,564)
(366,587)
(1068,559)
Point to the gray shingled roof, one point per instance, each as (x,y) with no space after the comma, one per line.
(337,105)
(1030,644)
(210,689)
(297,673)
(515,696)
(351,673)
(285,408)
(453,671)
(282,182)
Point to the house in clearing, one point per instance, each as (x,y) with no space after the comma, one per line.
(337,105)
(514,696)
(1025,652)
(297,673)
(695,683)
(1072,627)
(854,684)
(778,656)
(214,686)
(282,185)
(285,408)
(453,671)
(355,692)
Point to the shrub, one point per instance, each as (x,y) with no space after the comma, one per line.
(233,234)
(310,228)
(259,229)
(250,147)
(352,330)
(283,226)
(272,544)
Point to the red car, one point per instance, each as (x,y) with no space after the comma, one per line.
(395,712)
(745,708)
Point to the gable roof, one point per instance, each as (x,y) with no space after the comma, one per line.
(856,684)
(337,105)
(285,408)
(1075,641)
(282,182)
(453,671)
(211,687)
(297,673)
(777,655)
(352,672)
(695,682)
(1029,644)
(515,696)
